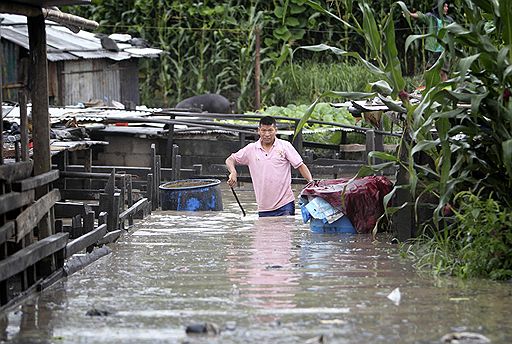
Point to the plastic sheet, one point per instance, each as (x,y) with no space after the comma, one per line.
(361,200)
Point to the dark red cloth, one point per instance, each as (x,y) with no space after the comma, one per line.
(361,199)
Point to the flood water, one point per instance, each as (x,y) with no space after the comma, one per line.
(266,280)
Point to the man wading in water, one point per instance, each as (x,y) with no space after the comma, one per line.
(269,160)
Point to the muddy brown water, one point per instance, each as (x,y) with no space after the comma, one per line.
(260,281)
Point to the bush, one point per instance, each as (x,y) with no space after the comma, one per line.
(477,244)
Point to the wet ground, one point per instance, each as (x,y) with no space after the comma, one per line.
(259,281)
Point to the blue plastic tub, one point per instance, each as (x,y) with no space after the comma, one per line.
(191,195)
(342,225)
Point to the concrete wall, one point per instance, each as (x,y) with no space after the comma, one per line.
(124,150)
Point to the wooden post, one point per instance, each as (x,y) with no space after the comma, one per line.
(370,145)
(170,143)
(88,167)
(298,142)
(178,167)
(174,174)
(242,139)
(158,179)
(129,190)
(257,100)
(149,190)
(1,101)
(198,170)
(39,92)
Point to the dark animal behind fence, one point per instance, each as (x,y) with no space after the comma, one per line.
(211,102)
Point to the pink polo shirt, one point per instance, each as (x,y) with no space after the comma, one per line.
(270,172)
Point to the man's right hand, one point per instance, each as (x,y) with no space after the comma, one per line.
(232,179)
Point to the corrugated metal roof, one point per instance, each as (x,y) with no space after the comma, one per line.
(47,3)
(64,45)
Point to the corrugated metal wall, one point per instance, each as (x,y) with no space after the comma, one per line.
(77,81)
(10,58)
(90,80)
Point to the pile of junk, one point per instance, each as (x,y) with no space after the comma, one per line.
(344,205)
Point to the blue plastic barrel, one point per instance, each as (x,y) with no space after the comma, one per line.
(342,225)
(191,195)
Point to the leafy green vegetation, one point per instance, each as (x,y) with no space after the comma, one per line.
(462,128)
(302,82)
(476,245)
(210,46)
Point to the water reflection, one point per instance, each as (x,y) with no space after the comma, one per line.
(268,279)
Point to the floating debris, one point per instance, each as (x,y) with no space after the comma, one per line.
(395,296)
(203,328)
(97,313)
(464,338)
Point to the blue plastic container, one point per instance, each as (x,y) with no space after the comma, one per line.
(191,195)
(342,225)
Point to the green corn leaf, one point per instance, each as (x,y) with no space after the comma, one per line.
(383,156)
(506,22)
(466,62)
(410,39)
(371,31)
(319,8)
(507,156)
(424,145)
(382,87)
(393,106)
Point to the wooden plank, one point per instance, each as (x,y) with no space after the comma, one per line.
(88,175)
(85,241)
(80,194)
(138,206)
(15,200)
(16,171)
(37,181)
(32,254)
(110,237)
(31,216)
(7,231)
(70,209)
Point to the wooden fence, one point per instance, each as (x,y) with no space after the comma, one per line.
(55,223)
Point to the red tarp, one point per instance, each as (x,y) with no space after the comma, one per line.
(362,201)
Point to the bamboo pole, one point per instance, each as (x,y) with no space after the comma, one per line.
(72,22)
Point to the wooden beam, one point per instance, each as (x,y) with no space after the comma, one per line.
(81,194)
(31,216)
(39,94)
(37,181)
(16,171)
(70,209)
(32,254)
(133,209)
(72,22)
(86,240)
(15,200)
(110,237)
(7,231)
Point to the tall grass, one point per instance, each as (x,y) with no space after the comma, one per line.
(303,82)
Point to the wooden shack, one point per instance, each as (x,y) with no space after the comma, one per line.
(82,66)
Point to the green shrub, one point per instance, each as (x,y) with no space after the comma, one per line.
(323,112)
(477,244)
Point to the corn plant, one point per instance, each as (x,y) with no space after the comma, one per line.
(464,124)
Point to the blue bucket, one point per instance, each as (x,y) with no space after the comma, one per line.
(191,195)
(342,225)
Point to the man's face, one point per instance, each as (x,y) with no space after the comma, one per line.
(267,133)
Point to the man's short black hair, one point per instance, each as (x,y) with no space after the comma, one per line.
(268,120)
